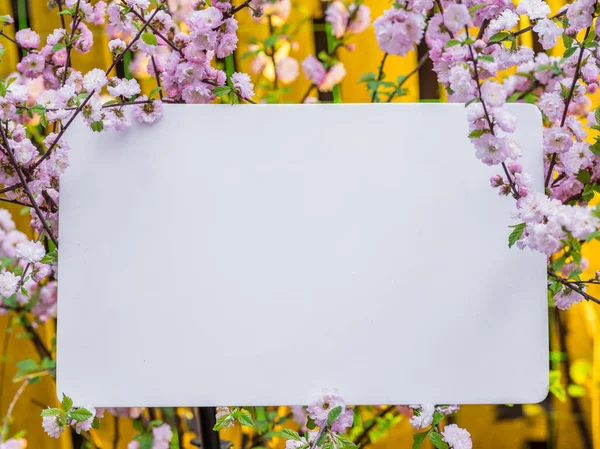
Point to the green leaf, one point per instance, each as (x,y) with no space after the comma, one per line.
(487,58)
(595,148)
(334,414)
(476,133)
(38,109)
(81,414)
(50,257)
(290,435)
(556,387)
(555,287)
(418,439)
(149,38)
(51,412)
(570,51)
(515,234)
(66,403)
(220,91)
(310,424)
(588,193)
(437,417)
(567,41)
(345,443)
(593,236)
(146,441)
(499,37)
(452,43)
(58,47)
(471,101)
(436,440)
(368,77)
(97,126)
(245,419)
(223,421)
(476,7)
(155,91)
(270,41)
(584,176)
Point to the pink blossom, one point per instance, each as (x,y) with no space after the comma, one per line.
(227,44)
(398,30)
(27,38)
(490,149)
(243,84)
(94,80)
(320,408)
(580,15)
(333,77)
(456,17)
(337,15)
(8,284)
(30,252)
(123,87)
(361,20)
(564,299)
(557,140)
(493,94)
(31,65)
(84,426)
(314,70)
(51,426)
(162,436)
(456,437)
(287,69)
(551,104)
(423,416)
(149,112)
(548,32)
(535,9)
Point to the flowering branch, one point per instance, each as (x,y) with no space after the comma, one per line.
(567,103)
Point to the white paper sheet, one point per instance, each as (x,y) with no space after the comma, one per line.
(255,255)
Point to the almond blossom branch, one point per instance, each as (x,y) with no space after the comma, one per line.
(573,286)
(47,154)
(567,103)
(34,204)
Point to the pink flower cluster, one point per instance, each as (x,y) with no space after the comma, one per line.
(399,29)
(320,408)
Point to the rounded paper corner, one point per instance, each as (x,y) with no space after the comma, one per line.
(532,109)
(541,394)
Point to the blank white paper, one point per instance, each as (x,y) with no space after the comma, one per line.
(257,254)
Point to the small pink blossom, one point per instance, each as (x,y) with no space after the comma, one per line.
(51,426)
(148,112)
(456,17)
(456,437)
(287,69)
(27,38)
(243,84)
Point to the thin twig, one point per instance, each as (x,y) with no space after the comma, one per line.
(379,77)
(573,286)
(11,406)
(420,64)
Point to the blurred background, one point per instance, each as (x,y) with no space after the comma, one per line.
(568,419)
